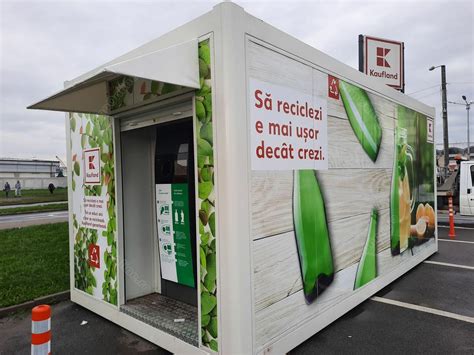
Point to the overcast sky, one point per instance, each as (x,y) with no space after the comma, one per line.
(44,43)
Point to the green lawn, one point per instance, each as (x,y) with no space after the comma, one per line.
(33,196)
(32,209)
(34,262)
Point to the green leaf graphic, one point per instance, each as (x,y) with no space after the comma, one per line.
(208,302)
(205,188)
(200,111)
(77,169)
(205,53)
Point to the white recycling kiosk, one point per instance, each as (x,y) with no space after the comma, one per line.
(234,190)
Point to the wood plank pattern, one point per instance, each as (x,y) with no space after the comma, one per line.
(282,317)
(345,151)
(347,192)
(277,273)
(266,65)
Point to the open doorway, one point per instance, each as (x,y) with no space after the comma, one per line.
(159,231)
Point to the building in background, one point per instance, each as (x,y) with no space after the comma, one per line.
(32,173)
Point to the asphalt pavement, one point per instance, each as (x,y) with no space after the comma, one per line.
(30,219)
(403,318)
(428,310)
(97,336)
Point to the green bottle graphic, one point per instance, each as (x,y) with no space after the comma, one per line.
(312,235)
(362,117)
(394,203)
(401,199)
(367,269)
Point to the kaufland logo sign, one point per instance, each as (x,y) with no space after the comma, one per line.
(92,166)
(383,59)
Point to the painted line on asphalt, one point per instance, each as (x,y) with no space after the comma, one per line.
(468,228)
(448,264)
(454,241)
(423,309)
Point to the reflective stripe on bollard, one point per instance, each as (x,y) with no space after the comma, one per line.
(41,330)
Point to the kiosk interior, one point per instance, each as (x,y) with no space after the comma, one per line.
(158,194)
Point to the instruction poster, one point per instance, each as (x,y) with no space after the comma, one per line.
(172,208)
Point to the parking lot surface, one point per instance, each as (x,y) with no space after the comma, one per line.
(403,318)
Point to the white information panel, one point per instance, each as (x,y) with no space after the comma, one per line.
(288,128)
(165,232)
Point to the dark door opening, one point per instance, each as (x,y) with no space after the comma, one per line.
(159,227)
(174,166)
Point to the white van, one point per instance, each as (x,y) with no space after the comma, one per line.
(466,191)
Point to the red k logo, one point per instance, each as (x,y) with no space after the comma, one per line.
(381,55)
(91,162)
(92,174)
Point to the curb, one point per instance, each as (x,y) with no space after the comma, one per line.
(54,298)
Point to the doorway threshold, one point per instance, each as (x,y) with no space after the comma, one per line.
(173,317)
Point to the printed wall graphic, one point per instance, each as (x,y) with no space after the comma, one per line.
(94,255)
(206,199)
(93,206)
(288,128)
(333,87)
(401,200)
(174,234)
(367,268)
(92,166)
(429,130)
(362,117)
(336,225)
(412,213)
(126,91)
(312,235)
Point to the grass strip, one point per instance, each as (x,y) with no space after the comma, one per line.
(33,196)
(34,262)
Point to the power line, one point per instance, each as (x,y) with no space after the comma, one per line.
(462,82)
(426,95)
(434,86)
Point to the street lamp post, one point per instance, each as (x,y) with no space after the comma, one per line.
(468,107)
(445,116)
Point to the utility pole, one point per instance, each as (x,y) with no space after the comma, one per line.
(468,107)
(444,104)
(445,117)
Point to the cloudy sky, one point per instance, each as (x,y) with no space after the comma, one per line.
(44,43)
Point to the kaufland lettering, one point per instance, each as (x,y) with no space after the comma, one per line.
(383,74)
(92,175)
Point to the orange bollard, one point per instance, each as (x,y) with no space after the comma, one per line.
(41,330)
(452,233)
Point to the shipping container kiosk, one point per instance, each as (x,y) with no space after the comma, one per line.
(233,189)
